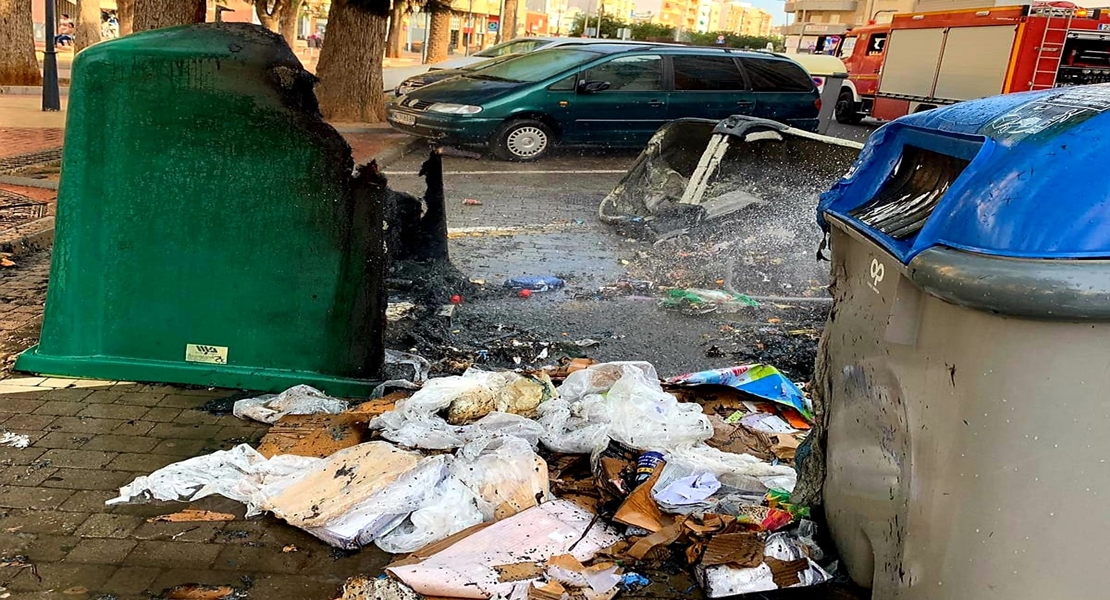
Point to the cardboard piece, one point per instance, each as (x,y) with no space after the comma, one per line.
(191,515)
(318,436)
(739,439)
(465,568)
(518,571)
(640,509)
(552,590)
(373,408)
(737,549)
(785,573)
(345,479)
(665,537)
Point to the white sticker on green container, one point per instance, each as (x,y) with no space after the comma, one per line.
(202,353)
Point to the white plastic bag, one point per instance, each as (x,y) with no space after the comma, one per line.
(579,427)
(645,417)
(505,473)
(597,379)
(240,474)
(297,400)
(415,421)
(451,508)
(742,471)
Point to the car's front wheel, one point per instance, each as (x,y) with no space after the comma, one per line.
(523,140)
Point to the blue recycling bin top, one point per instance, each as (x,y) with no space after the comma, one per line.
(1021,175)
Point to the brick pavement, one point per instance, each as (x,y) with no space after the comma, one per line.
(19,140)
(89,438)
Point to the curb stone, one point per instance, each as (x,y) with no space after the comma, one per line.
(29,237)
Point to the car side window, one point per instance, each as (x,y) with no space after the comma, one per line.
(564,85)
(707,73)
(769,75)
(629,73)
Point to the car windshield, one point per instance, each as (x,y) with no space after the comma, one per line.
(513,47)
(536,66)
(485,64)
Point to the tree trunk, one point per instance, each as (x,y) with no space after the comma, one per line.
(439,35)
(88,24)
(125,14)
(350,66)
(290,14)
(18,64)
(395,41)
(508,23)
(156,14)
(269,13)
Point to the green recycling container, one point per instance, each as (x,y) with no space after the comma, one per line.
(209,230)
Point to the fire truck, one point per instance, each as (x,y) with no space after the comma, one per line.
(920,61)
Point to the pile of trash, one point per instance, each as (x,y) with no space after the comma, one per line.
(570,481)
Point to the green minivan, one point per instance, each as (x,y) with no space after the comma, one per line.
(603,95)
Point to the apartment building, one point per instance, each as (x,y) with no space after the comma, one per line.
(812,18)
(740,18)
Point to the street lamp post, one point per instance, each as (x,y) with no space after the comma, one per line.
(50,95)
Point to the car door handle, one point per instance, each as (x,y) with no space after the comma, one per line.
(655,103)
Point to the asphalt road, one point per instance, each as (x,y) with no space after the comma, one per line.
(541,218)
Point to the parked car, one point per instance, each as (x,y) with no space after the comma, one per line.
(603,95)
(524,46)
(419,81)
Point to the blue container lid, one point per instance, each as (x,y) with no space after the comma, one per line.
(1037,184)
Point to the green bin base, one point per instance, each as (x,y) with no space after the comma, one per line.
(244,378)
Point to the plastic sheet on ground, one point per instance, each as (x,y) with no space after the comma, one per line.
(465,569)
(297,400)
(505,473)
(395,365)
(415,421)
(240,474)
(758,380)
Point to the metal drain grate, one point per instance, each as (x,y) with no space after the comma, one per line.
(16,209)
(11,164)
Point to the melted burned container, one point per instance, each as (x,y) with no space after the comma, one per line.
(209,231)
(963,372)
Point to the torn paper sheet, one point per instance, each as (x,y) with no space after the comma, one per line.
(786,564)
(466,569)
(297,400)
(689,490)
(239,474)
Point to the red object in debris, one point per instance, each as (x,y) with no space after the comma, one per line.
(525,293)
(471,202)
(456,299)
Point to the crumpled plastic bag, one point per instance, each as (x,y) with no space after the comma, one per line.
(451,508)
(488,479)
(579,427)
(395,363)
(622,401)
(645,417)
(598,378)
(297,400)
(505,473)
(240,474)
(744,479)
(415,421)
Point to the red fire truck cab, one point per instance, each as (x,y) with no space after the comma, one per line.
(924,60)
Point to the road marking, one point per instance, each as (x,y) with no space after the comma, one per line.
(555,172)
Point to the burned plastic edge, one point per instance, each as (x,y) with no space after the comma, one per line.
(1052,290)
